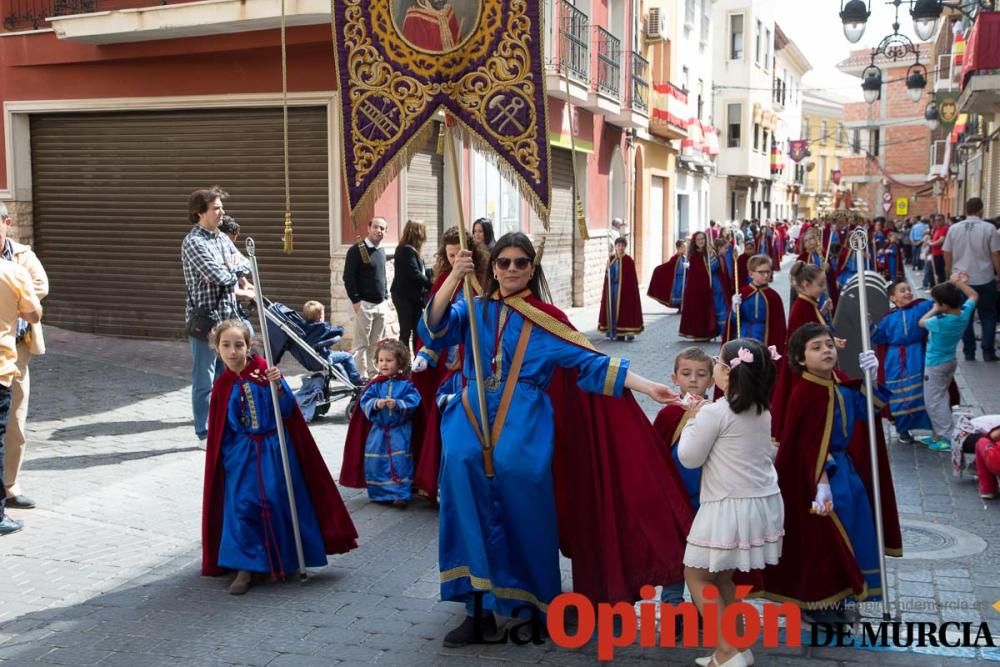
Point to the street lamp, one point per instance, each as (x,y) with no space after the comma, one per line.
(925,15)
(916,81)
(854,15)
(871,83)
(931,116)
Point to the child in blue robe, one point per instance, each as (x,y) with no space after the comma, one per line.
(388,402)
(901,344)
(247,523)
(722,287)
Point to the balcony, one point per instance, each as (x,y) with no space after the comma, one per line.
(116,21)
(940,159)
(980,76)
(605,98)
(634,111)
(947,73)
(670,111)
(570,78)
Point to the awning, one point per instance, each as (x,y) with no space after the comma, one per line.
(982,50)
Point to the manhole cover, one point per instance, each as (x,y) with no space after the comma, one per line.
(923,540)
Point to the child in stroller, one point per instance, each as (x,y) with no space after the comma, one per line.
(320,335)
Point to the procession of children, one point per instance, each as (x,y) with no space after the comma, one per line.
(769,480)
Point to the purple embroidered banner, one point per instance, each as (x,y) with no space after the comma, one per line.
(400,61)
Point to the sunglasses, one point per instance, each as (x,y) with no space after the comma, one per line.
(520,263)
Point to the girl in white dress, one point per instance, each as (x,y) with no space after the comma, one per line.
(740,523)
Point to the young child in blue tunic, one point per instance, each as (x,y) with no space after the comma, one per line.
(388,402)
(901,344)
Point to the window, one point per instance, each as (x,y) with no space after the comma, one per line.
(822,133)
(767,49)
(758,50)
(689,12)
(756,136)
(736,37)
(734,113)
(701,98)
(494,196)
(763,143)
(805,129)
(873,141)
(686,79)
(856,142)
(841,136)
(821,175)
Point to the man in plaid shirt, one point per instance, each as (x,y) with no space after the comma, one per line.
(215,275)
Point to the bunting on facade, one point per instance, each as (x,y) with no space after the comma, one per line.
(401,61)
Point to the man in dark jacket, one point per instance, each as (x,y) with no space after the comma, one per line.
(365,282)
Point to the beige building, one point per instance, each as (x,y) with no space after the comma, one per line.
(829,141)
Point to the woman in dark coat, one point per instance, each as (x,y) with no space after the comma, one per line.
(410,283)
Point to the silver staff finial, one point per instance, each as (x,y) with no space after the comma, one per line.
(251,246)
(859,239)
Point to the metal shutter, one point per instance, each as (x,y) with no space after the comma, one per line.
(425,192)
(558,258)
(110,209)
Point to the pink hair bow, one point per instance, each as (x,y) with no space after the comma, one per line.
(774,352)
(744,356)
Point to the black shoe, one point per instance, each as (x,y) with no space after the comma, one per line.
(904,438)
(20,502)
(970,357)
(8,525)
(991,357)
(465,634)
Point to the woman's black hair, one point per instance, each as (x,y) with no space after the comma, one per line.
(798,341)
(489,238)
(750,383)
(538,285)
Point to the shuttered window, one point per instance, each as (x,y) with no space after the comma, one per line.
(425,191)
(110,209)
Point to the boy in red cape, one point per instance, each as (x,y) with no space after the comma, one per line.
(825,476)
(762,313)
(667,283)
(620,297)
(241,425)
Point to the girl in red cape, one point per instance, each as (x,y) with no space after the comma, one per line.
(246,518)
(698,321)
(621,286)
(562,469)
(823,463)
(812,253)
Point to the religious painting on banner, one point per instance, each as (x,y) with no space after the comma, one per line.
(399,62)
(798,150)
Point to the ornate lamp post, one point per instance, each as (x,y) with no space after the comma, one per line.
(854,14)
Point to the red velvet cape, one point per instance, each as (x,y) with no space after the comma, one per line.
(742,270)
(623,512)
(669,422)
(661,284)
(352,471)
(698,319)
(817,565)
(339,534)
(629,320)
(775,332)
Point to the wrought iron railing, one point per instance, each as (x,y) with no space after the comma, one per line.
(609,62)
(640,83)
(574,46)
(31,14)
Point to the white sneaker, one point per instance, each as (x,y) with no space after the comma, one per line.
(746,655)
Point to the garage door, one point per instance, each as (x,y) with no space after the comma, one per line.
(110,209)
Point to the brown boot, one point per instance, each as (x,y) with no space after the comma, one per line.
(241,584)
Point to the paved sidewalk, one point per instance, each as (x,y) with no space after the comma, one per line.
(106,571)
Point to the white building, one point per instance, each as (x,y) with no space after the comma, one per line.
(751,120)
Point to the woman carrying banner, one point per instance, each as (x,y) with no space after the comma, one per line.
(499,537)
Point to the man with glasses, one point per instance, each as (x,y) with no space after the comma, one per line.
(29,341)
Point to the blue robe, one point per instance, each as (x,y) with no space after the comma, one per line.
(719,294)
(903,364)
(256,521)
(851,267)
(677,289)
(388,461)
(614,277)
(753,317)
(499,535)
(850,497)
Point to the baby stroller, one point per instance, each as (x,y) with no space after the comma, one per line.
(285,333)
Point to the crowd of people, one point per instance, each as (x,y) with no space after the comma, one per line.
(548,427)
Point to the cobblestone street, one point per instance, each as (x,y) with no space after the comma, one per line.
(106,571)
